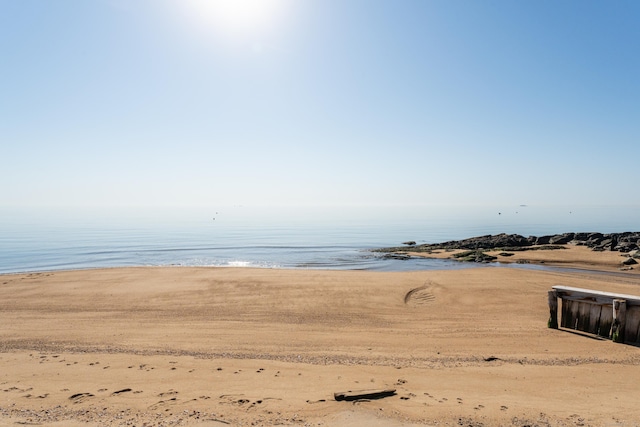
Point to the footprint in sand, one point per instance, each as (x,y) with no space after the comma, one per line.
(164,402)
(42,396)
(422,295)
(19,390)
(80,397)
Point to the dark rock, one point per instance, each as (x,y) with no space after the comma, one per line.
(629,261)
(474,256)
(581,237)
(487,242)
(605,244)
(626,247)
(401,257)
(623,242)
(561,239)
(594,239)
(543,240)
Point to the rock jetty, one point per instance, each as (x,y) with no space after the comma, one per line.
(621,242)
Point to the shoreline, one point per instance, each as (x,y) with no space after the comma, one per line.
(590,251)
(242,346)
(574,257)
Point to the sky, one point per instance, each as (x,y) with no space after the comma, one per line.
(319,102)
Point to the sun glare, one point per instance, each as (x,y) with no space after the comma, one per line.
(238,17)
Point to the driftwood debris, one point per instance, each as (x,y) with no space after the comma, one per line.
(609,315)
(352,395)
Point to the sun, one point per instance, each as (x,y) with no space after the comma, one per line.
(238,17)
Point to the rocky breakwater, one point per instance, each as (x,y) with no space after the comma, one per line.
(621,242)
(476,247)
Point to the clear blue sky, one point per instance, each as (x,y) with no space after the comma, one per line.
(319,102)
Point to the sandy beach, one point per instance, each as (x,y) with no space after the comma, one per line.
(241,347)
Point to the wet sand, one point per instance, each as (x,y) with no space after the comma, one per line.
(216,346)
(577,257)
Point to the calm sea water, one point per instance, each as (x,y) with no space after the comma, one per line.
(328,238)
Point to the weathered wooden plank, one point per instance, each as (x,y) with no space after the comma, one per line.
(594,319)
(606,318)
(363,394)
(584,309)
(567,318)
(583,298)
(575,310)
(619,320)
(553,310)
(600,297)
(632,327)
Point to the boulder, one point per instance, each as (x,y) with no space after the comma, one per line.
(581,237)
(625,247)
(605,244)
(543,240)
(561,239)
(591,236)
(474,256)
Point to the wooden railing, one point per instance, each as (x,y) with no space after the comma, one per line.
(609,315)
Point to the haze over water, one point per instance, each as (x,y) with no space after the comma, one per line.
(336,238)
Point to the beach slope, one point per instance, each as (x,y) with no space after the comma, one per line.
(216,346)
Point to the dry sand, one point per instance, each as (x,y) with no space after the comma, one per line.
(216,347)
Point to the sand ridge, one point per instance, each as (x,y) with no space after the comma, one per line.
(207,346)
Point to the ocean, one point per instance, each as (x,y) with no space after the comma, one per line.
(269,237)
